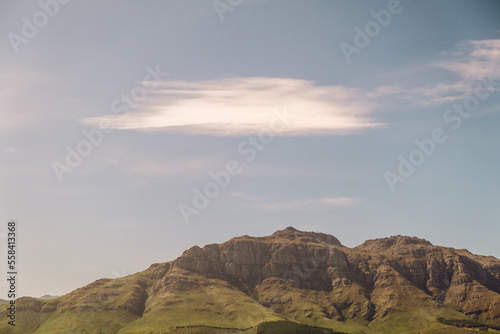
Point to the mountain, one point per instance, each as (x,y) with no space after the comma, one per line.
(46,297)
(280,284)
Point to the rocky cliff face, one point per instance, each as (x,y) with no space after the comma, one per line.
(301,276)
(287,254)
(366,281)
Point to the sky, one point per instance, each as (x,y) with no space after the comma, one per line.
(134,130)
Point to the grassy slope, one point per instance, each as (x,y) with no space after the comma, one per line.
(212,305)
(305,306)
(97,307)
(209,302)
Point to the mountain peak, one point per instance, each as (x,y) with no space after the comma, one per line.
(291,233)
(397,241)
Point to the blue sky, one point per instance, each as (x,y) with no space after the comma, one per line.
(154,97)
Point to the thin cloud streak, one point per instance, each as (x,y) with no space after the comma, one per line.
(270,203)
(184,166)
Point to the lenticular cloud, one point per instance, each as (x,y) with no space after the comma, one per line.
(244,106)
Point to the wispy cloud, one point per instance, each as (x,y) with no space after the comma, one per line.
(471,61)
(27,98)
(270,203)
(11,149)
(475,59)
(340,201)
(182,166)
(244,106)
(429,95)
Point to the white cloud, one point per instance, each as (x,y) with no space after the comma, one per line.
(244,106)
(270,203)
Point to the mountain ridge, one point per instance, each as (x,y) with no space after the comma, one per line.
(386,285)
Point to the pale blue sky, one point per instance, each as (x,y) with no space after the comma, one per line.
(118,211)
